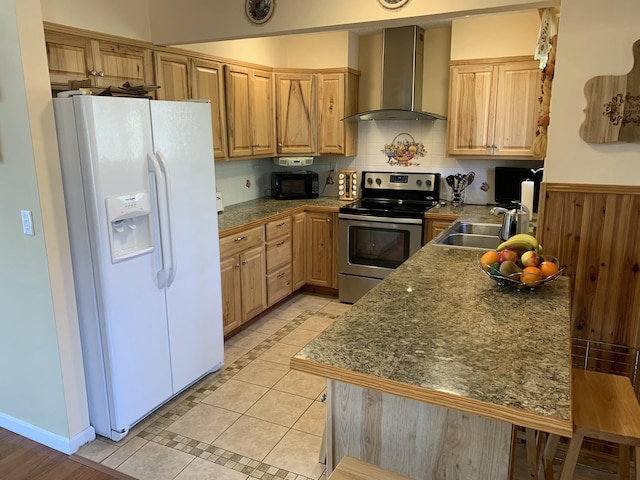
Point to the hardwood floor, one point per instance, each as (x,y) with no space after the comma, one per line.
(22,459)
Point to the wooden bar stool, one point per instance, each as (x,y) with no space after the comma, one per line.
(605,407)
(351,468)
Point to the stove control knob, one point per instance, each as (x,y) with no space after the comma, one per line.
(378,181)
(370,180)
(419,182)
(428,183)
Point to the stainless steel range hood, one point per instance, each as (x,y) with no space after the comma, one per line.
(402,62)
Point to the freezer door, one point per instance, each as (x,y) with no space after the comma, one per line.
(129,324)
(183,142)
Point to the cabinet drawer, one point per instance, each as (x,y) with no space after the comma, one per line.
(278,285)
(278,253)
(236,243)
(278,228)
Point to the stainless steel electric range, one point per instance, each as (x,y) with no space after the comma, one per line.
(383,228)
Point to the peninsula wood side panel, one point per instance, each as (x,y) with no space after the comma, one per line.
(413,438)
(595,231)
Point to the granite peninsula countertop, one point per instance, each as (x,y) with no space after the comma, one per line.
(438,330)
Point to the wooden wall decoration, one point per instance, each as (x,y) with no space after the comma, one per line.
(613,106)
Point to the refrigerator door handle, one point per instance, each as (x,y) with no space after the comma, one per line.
(162,273)
(173,265)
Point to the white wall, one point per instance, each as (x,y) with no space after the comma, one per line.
(43,394)
(503,35)
(592,40)
(319,50)
(192,21)
(126,18)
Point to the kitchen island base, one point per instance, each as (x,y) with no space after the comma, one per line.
(413,438)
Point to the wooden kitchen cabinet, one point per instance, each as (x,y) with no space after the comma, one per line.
(104,62)
(172,74)
(298,250)
(322,239)
(242,266)
(493,108)
(250,113)
(183,77)
(295,113)
(279,256)
(435,225)
(337,99)
(207,82)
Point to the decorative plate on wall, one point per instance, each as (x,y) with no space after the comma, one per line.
(393,3)
(259,11)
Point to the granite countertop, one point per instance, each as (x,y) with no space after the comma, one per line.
(439,330)
(246,213)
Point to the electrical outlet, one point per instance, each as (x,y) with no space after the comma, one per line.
(333,167)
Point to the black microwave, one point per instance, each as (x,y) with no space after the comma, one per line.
(292,185)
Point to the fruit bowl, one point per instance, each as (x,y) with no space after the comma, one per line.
(525,280)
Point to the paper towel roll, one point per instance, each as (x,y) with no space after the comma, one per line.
(526,194)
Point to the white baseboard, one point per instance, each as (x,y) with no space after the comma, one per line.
(52,440)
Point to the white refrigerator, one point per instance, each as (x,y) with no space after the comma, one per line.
(140,194)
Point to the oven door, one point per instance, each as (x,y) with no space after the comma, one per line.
(373,247)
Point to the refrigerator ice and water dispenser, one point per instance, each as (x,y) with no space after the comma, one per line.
(129,218)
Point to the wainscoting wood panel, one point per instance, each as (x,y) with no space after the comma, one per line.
(595,231)
(413,438)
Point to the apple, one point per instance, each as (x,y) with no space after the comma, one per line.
(530,259)
(507,255)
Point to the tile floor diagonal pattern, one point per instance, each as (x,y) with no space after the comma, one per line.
(160,440)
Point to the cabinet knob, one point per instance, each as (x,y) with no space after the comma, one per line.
(93,73)
(237,265)
(244,262)
(280,224)
(328,220)
(239,239)
(101,74)
(281,274)
(279,244)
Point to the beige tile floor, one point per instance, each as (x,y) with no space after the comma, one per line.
(254,419)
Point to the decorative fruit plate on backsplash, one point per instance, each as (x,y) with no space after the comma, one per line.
(404,152)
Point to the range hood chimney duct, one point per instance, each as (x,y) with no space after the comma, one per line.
(402,63)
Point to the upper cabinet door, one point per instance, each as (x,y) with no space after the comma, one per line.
(172,74)
(331,130)
(238,123)
(517,108)
(262,114)
(207,83)
(69,58)
(250,115)
(295,113)
(116,64)
(471,110)
(337,99)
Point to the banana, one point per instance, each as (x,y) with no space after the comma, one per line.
(521,241)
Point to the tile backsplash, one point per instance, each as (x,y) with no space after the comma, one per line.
(232,178)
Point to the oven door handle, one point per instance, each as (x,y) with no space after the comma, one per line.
(371,218)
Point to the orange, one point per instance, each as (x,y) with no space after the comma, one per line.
(548,268)
(531,276)
(488,258)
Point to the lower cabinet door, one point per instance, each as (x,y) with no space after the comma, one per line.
(231,293)
(253,286)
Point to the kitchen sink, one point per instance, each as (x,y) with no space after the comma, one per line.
(467,228)
(480,236)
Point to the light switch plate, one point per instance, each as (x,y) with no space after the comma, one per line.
(27,222)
